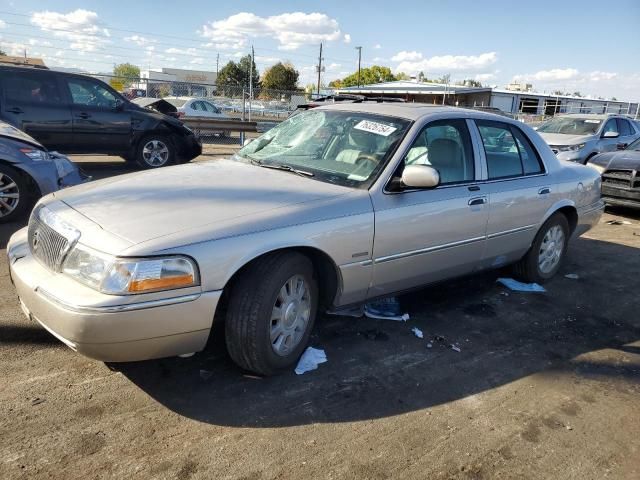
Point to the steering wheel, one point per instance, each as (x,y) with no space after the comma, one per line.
(365,157)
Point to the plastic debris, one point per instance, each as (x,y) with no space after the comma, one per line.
(618,222)
(385,309)
(205,374)
(310,359)
(417,332)
(429,345)
(454,347)
(572,276)
(517,286)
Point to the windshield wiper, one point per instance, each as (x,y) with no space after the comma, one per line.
(286,168)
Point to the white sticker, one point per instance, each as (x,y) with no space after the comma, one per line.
(592,121)
(375,127)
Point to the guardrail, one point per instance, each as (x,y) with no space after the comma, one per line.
(222,128)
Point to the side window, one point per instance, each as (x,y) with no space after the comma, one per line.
(610,126)
(624,128)
(210,108)
(90,94)
(528,154)
(32,88)
(446,146)
(501,151)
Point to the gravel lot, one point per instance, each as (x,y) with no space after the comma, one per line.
(545,386)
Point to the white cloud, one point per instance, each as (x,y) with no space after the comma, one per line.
(139,40)
(550,75)
(414,62)
(81,27)
(485,77)
(291,30)
(190,52)
(377,46)
(333,66)
(405,56)
(3,24)
(197,61)
(347,38)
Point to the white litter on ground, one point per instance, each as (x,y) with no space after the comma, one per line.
(572,276)
(517,286)
(455,348)
(398,318)
(310,359)
(417,332)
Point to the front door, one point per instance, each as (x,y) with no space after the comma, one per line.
(423,236)
(100,125)
(34,103)
(520,192)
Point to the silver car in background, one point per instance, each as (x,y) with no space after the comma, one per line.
(333,207)
(579,137)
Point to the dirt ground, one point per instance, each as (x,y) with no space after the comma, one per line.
(545,386)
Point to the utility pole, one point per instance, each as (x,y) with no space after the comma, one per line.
(251,80)
(359,61)
(319,68)
(217,66)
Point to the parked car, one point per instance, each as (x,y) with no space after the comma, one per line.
(28,171)
(333,207)
(78,114)
(620,175)
(578,137)
(195,107)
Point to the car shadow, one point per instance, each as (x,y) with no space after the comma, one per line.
(378,368)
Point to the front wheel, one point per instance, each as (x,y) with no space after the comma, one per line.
(272,309)
(545,256)
(14,197)
(155,151)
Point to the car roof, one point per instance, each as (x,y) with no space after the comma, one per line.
(594,116)
(412,111)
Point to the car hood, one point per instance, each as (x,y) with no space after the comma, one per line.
(11,132)
(563,139)
(623,160)
(143,206)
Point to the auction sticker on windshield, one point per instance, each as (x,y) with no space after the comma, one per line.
(375,127)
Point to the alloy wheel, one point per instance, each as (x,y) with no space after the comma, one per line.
(155,153)
(551,249)
(9,195)
(290,315)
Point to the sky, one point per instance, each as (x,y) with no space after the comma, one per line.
(584,46)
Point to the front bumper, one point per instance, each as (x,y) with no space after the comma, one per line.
(105,327)
(577,156)
(191,148)
(621,196)
(588,217)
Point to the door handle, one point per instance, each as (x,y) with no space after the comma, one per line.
(544,191)
(83,115)
(477,201)
(15,110)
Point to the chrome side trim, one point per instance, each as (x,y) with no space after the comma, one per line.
(509,232)
(117,308)
(421,251)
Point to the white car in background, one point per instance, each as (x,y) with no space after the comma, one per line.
(196,107)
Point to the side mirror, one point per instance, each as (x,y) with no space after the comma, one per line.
(610,135)
(420,176)
(247,141)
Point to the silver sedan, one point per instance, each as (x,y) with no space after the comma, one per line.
(334,207)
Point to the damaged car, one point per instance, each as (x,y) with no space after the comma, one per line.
(334,207)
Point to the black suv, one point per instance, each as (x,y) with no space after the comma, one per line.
(79,114)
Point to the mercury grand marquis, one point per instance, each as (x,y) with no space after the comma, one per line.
(332,208)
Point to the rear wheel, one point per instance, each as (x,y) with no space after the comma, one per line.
(272,309)
(14,197)
(155,151)
(545,256)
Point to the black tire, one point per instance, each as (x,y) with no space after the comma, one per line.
(12,183)
(528,268)
(146,160)
(252,299)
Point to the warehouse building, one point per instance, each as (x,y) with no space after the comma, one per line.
(512,100)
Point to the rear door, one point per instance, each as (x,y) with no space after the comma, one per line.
(100,124)
(520,192)
(33,101)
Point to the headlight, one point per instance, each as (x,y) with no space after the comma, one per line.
(123,276)
(570,148)
(35,154)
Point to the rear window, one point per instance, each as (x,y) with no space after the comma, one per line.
(32,88)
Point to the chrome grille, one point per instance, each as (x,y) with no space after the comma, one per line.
(47,245)
(621,178)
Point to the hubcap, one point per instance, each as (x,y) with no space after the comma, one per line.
(551,249)
(9,195)
(155,153)
(290,315)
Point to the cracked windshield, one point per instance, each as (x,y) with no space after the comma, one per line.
(339,147)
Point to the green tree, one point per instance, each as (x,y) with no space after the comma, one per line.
(577,94)
(402,76)
(281,76)
(126,73)
(2,52)
(235,76)
(375,74)
(470,82)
